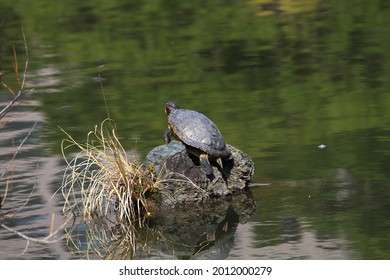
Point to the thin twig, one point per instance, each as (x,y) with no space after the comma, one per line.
(44,240)
(17,150)
(10,214)
(16,67)
(26,62)
(104,97)
(21,91)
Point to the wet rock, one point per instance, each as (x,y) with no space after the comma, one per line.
(183,179)
(204,230)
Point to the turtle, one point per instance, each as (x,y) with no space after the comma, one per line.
(198,133)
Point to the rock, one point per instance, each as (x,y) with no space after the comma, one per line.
(205,230)
(192,216)
(183,180)
(214,222)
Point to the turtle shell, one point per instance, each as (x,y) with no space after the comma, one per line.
(197,131)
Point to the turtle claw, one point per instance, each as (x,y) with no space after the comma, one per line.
(205,164)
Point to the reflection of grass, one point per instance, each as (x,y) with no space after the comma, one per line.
(101,177)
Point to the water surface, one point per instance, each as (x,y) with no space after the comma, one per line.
(302,88)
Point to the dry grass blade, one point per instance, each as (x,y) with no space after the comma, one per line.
(112,193)
(100,177)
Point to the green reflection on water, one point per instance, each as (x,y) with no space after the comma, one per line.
(278,80)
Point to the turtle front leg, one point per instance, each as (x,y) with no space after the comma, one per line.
(167,136)
(205,164)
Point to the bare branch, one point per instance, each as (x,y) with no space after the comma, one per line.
(10,214)
(22,90)
(26,62)
(44,240)
(8,88)
(52,235)
(16,152)
(16,67)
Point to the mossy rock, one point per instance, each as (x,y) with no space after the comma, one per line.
(184,180)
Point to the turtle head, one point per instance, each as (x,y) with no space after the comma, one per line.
(170,106)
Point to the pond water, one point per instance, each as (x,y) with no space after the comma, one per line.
(302,87)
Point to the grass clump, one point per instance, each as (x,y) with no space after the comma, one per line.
(101,177)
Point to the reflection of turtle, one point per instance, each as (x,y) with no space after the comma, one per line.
(198,133)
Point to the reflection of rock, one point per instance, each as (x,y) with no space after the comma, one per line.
(203,230)
(200,230)
(185,181)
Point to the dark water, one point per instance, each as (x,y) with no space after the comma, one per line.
(303,87)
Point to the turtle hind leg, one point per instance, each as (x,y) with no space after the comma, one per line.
(225,163)
(205,164)
(220,162)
